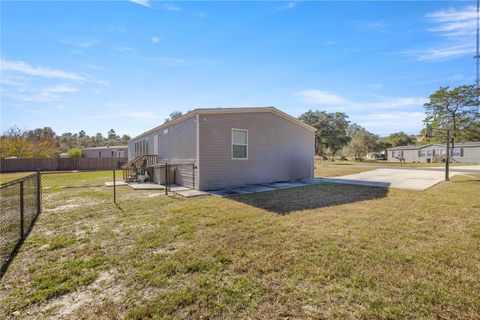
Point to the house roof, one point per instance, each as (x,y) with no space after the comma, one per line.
(228,110)
(106,147)
(457,144)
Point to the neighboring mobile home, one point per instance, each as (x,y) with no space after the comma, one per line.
(463,152)
(105,152)
(228,147)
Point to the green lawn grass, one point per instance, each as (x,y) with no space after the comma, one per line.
(320,252)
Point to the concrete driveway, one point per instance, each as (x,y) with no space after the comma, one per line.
(411,179)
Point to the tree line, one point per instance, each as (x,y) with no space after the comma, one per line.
(455,109)
(45,143)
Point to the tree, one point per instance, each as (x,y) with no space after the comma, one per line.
(75,153)
(399,139)
(174,115)
(125,138)
(361,142)
(453,108)
(112,135)
(81,134)
(331,135)
(99,139)
(15,144)
(44,142)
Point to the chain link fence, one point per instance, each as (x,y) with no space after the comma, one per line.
(55,192)
(20,205)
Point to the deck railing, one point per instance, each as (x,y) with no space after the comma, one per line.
(128,168)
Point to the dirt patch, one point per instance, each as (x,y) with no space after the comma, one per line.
(105,287)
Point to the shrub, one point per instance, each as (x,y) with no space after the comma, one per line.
(75,153)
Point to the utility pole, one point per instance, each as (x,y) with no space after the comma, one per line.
(447,157)
(477,57)
(429,134)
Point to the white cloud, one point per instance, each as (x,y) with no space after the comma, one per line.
(287,6)
(437,54)
(117,28)
(12,83)
(388,122)
(82,43)
(124,49)
(145,3)
(48,94)
(25,68)
(457,26)
(178,61)
(454,22)
(200,14)
(378,114)
(155,39)
(330,100)
(171,7)
(314,96)
(62,88)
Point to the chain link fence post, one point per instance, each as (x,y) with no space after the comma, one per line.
(39,192)
(22,227)
(114,188)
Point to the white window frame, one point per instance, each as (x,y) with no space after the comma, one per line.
(237,144)
(459,152)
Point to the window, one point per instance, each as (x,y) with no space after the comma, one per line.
(165,131)
(457,152)
(429,153)
(397,154)
(99,154)
(141,147)
(421,153)
(239,144)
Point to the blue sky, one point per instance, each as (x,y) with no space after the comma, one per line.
(127,65)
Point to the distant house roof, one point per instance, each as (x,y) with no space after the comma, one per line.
(228,110)
(457,144)
(106,147)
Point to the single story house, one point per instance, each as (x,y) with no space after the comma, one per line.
(105,152)
(462,152)
(227,147)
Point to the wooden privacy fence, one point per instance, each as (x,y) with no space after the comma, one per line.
(60,164)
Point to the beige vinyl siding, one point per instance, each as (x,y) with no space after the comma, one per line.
(278,150)
(104,153)
(470,155)
(179,143)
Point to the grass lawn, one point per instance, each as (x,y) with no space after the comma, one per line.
(6,177)
(323,251)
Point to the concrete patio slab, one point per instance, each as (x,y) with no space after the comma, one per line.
(264,187)
(117,183)
(176,188)
(189,193)
(146,186)
(413,179)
